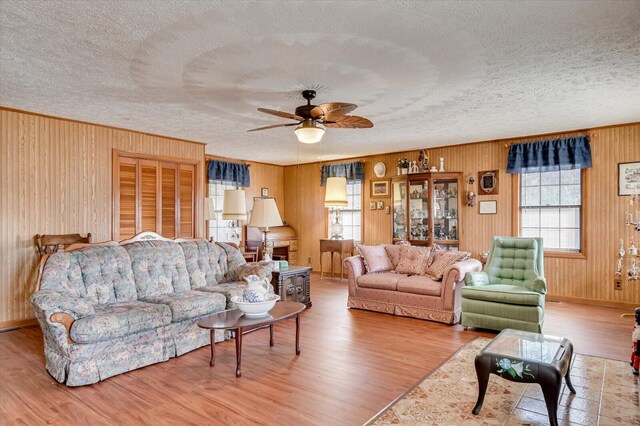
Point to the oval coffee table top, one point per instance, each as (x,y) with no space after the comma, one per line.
(234,318)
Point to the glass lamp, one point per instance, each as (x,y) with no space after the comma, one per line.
(309,132)
(265,214)
(335,197)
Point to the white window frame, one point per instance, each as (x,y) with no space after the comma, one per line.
(352,196)
(554,251)
(220,229)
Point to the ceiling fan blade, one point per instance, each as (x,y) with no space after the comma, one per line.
(348,122)
(273,126)
(281,114)
(332,108)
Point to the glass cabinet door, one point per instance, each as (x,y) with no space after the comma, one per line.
(399,210)
(445,210)
(419,210)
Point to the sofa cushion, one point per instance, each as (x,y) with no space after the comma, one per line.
(190,304)
(202,262)
(375,258)
(119,319)
(413,260)
(382,280)
(442,260)
(231,257)
(228,290)
(239,273)
(159,267)
(503,293)
(393,251)
(420,284)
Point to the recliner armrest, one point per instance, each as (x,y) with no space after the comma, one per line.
(540,285)
(52,302)
(476,279)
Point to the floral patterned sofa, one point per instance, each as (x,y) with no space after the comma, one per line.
(108,308)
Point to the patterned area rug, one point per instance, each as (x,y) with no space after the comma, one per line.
(607,394)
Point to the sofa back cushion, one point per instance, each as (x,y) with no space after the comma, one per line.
(231,258)
(159,267)
(375,258)
(515,261)
(202,261)
(100,274)
(393,251)
(413,260)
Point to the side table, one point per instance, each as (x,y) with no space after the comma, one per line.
(335,246)
(293,284)
(525,357)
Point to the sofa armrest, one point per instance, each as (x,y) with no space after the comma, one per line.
(239,273)
(452,281)
(52,302)
(540,285)
(476,279)
(355,268)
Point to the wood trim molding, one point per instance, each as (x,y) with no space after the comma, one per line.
(11,325)
(584,301)
(144,236)
(155,157)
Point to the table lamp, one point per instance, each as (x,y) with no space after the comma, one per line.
(235,210)
(264,215)
(334,198)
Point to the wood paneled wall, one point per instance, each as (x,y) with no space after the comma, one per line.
(589,279)
(56,179)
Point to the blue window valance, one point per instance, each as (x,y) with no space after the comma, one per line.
(550,155)
(352,171)
(231,173)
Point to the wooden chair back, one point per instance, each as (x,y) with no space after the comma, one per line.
(47,244)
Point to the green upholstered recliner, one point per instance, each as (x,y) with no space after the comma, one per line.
(509,293)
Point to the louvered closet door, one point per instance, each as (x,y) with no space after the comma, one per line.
(126,206)
(169,193)
(187,197)
(149,198)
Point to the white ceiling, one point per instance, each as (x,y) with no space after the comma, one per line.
(426,73)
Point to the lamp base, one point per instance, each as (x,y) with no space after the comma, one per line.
(336,227)
(266,255)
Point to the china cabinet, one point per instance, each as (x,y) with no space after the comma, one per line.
(426,208)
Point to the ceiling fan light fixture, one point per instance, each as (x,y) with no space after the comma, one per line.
(309,133)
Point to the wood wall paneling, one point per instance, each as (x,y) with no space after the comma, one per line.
(56,178)
(588,279)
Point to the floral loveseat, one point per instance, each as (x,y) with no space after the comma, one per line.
(108,308)
(423,284)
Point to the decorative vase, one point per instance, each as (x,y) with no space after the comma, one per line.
(405,170)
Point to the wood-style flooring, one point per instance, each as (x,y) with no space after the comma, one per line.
(353,363)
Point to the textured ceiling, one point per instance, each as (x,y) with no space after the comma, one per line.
(426,73)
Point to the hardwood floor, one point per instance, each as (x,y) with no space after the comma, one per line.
(353,363)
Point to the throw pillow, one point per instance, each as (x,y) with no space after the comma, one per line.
(412,259)
(375,258)
(393,251)
(442,261)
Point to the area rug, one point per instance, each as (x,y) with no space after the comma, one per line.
(607,394)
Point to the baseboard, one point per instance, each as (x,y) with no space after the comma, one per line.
(584,301)
(9,325)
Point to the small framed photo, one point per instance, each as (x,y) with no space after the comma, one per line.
(380,205)
(372,205)
(629,178)
(264,192)
(488,207)
(488,181)
(380,188)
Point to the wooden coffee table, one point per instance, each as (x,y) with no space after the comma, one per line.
(521,356)
(235,320)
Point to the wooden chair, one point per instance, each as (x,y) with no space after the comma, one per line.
(48,244)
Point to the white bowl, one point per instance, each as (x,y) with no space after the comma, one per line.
(256,309)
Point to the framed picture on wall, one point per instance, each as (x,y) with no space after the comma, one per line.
(629,178)
(264,192)
(488,207)
(380,188)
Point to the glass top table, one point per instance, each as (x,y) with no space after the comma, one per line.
(527,346)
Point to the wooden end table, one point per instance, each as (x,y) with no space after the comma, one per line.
(521,356)
(335,246)
(235,320)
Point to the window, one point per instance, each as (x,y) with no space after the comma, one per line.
(220,229)
(551,208)
(351,216)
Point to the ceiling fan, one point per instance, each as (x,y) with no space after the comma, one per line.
(308,118)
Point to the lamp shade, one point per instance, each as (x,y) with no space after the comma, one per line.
(234,206)
(209,209)
(336,192)
(265,213)
(309,133)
